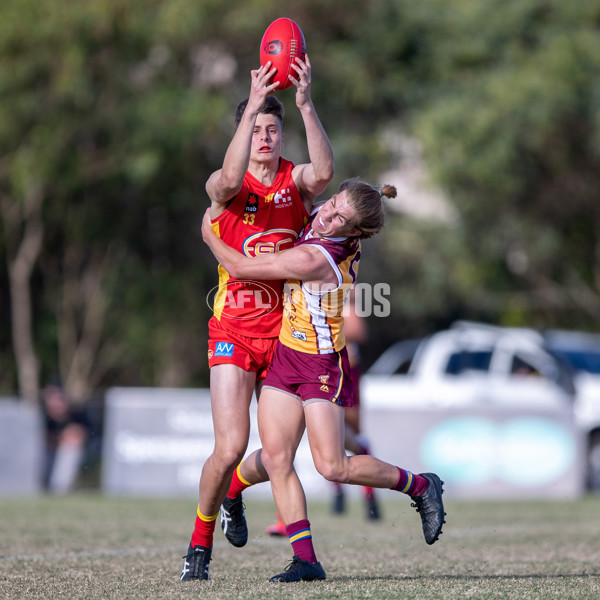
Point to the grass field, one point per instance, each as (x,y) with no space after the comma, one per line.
(90,546)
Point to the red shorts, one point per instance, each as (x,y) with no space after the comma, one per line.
(248,353)
(309,376)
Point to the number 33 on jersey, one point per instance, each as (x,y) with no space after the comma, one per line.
(258,220)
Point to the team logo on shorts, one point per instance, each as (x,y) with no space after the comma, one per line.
(224,349)
(324,379)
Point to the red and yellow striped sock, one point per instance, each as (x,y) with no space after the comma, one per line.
(204,530)
(238,483)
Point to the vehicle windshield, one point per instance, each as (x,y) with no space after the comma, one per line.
(581,360)
(469,361)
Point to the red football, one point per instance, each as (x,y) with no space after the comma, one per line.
(282,42)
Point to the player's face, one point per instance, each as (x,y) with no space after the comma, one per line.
(267,138)
(337,218)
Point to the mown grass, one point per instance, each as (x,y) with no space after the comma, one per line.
(90,546)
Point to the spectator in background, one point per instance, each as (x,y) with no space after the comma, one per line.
(67,430)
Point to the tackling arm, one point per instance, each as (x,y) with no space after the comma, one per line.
(303,263)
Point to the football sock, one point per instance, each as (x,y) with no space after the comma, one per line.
(411,484)
(301,539)
(238,484)
(204,530)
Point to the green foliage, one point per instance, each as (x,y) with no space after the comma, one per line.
(97,111)
(505,99)
(119,110)
(513,141)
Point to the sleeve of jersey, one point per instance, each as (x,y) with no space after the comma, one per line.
(336,252)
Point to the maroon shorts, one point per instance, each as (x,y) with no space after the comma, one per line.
(355,375)
(228,348)
(310,376)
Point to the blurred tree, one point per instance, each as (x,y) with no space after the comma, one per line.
(512,134)
(114,113)
(23,232)
(110,124)
(505,99)
(100,180)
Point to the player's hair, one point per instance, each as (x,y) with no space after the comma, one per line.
(367,202)
(272,106)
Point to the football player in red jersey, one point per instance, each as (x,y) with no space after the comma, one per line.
(259,204)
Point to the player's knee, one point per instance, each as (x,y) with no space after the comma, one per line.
(274,462)
(332,471)
(228,458)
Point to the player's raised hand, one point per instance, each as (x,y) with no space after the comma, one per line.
(302,80)
(261,85)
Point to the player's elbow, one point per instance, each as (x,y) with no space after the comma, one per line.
(229,190)
(240,267)
(234,270)
(325,174)
(229,185)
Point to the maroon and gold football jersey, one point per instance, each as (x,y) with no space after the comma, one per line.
(260,219)
(312,318)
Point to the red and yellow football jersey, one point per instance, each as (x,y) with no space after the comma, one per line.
(312,318)
(260,219)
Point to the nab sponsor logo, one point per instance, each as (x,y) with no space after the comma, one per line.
(252,203)
(224,349)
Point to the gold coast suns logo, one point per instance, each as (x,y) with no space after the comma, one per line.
(273,240)
(324,379)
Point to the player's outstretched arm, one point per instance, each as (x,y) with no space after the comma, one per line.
(311,178)
(306,264)
(225,183)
